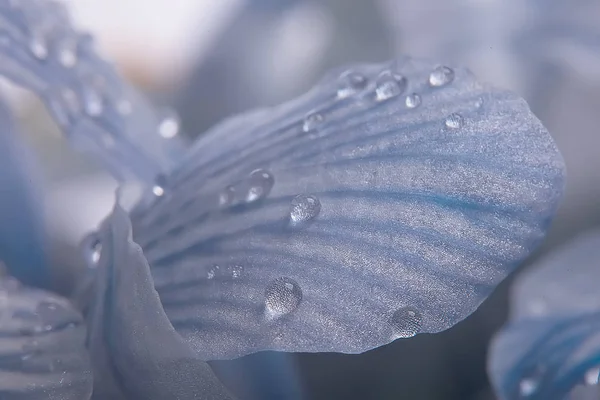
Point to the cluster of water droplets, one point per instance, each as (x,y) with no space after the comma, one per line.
(231,271)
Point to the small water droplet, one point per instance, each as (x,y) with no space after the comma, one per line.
(226,196)
(169,127)
(479,103)
(454,121)
(592,376)
(236,271)
(312,121)
(92,102)
(389,85)
(304,208)
(351,82)
(413,100)
(406,322)
(261,182)
(441,76)
(38,48)
(160,183)
(282,296)
(211,272)
(67,57)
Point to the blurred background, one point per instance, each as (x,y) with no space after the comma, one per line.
(210,59)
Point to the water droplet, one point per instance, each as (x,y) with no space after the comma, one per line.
(92,102)
(282,296)
(304,208)
(389,85)
(38,48)
(441,76)
(160,183)
(158,190)
(93,251)
(169,127)
(406,322)
(527,387)
(312,121)
(351,82)
(454,121)
(67,57)
(592,376)
(261,182)
(413,100)
(226,196)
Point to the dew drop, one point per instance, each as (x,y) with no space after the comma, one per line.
(441,76)
(169,127)
(406,322)
(312,121)
(454,121)
(38,48)
(304,208)
(413,100)
(282,296)
(389,85)
(592,376)
(261,182)
(527,387)
(351,82)
(226,196)
(159,185)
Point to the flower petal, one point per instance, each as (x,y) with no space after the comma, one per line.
(99,112)
(389,200)
(552,342)
(42,346)
(136,353)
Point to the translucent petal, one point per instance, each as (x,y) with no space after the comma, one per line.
(99,112)
(422,211)
(136,353)
(42,346)
(551,344)
(21,222)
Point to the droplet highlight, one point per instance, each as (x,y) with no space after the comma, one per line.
(304,208)
(351,82)
(413,100)
(441,76)
(406,322)
(260,184)
(389,85)
(454,121)
(282,296)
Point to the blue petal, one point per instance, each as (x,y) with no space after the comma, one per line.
(136,353)
(42,349)
(551,344)
(41,51)
(389,200)
(22,244)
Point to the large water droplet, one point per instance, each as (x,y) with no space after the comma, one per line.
(304,208)
(413,100)
(282,296)
(389,85)
(441,76)
(351,82)
(406,322)
(261,182)
(312,121)
(226,196)
(454,121)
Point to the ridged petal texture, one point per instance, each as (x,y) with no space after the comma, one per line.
(136,353)
(389,200)
(42,346)
(550,349)
(98,111)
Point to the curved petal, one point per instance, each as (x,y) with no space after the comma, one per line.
(99,112)
(42,346)
(136,353)
(388,201)
(552,343)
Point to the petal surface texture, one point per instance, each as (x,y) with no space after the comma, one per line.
(550,349)
(388,201)
(42,346)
